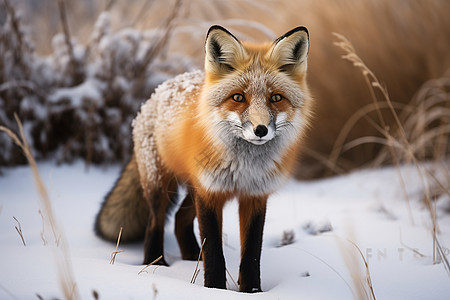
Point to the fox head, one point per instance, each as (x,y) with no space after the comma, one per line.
(256,93)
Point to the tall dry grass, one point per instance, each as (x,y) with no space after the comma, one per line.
(403,43)
(402,145)
(61,254)
(353,256)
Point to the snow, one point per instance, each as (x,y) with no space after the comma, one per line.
(88,90)
(365,207)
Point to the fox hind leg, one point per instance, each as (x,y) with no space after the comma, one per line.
(158,200)
(184,228)
(154,233)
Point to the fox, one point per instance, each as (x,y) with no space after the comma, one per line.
(231,131)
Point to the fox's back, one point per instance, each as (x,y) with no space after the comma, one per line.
(157,117)
(159,112)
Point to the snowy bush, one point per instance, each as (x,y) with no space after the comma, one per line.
(78,102)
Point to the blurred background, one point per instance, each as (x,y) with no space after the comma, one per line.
(77,71)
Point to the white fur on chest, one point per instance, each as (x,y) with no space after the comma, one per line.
(245,172)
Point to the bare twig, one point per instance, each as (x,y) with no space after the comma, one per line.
(43,231)
(19,230)
(77,78)
(109,4)
(142,11)
(166,28)
(22,45)
(338,146)
(415,251)
(23,84)
(232,279)
(113,255)
(150,264)
(443,256)
(10,294)
(366,264)
(326,264)
(197,270)
(66,31)
(353,265)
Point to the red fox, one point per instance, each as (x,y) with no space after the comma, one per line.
(232,131)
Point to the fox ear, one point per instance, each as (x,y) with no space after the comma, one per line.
(290,51)
(223,50)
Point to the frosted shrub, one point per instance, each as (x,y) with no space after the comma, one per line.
(79,101)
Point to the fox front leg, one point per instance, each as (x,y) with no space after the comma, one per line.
(209,215)
(252,213)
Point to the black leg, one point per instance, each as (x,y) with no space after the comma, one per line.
(184,229)
(154,234)
(210,223)
(153,245)
(252,214)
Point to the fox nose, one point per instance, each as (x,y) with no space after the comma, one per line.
(261,131)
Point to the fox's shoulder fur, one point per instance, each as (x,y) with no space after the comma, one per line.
(159,116)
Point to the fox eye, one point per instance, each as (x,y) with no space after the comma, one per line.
(276,98)
(238,98)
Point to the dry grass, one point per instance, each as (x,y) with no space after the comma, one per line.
(381,125)
(44,240)
(399,143)
(232,279)
(19,231)
(357,277)
(67,282)
(331,268)
(150,264)
(74,66)
(362,281)
(113,255)
(197,269)
(403,45)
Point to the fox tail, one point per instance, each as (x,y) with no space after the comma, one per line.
(125,207)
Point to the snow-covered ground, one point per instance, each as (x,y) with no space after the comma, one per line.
(366,208)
